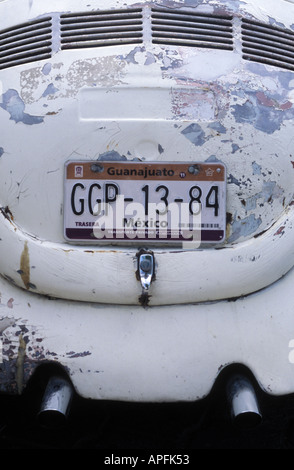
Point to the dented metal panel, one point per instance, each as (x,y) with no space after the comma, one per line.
(165,81)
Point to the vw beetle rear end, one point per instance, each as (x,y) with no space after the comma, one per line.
(184,103)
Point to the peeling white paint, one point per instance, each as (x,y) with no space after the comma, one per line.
(279,11)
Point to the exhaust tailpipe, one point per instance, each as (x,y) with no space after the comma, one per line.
(56,402)
(244,405)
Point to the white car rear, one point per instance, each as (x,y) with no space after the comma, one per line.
(146,193)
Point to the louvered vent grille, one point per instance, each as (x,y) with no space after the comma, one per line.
(25,43)
(103,28)
(268,44)
(191,29)
(33,41)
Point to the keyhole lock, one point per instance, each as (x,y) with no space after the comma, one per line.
(146,270)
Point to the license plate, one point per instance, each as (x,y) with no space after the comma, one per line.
(145,202)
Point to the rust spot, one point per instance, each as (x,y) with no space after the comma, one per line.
(7,213)
(25,267)
(20,364)
(286,105)
(265,100)
(229,218)
(144,299)
(280,230)
(73,354)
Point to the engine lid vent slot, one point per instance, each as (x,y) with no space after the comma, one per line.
(191,29)
(27,42)
(101,28)
(267,44)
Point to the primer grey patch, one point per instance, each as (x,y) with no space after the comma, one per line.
(235,148)
(256,168)
(46,69)
(195,134)
(160,149)
(13,104)
(265,118)
(171,63)
(212,158)
(130,57)
(284,77)
(150,59)
(244,112)
(111,156)
(233,180)
(50,90)
(244,227)
(270,191)
(251,203)
(218,127)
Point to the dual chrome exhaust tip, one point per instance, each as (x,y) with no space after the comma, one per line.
(56,402)
(244,405)
(241,396)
